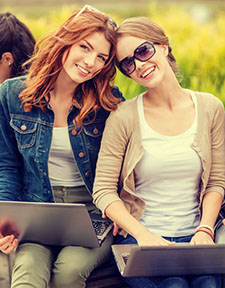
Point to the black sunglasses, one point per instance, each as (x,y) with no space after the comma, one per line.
(143,52)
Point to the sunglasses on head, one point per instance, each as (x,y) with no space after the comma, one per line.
(93,9)
(143,52)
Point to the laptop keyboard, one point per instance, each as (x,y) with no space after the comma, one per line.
(100,226)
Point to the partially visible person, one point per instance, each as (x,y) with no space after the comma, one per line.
(51,124)
(166,148)
(16,46)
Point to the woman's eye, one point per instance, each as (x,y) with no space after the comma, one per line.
(102,58)
(84,47)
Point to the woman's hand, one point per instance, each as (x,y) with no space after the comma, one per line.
(201,238)
(115,229)
(8,243)
(146,238)
(115,226)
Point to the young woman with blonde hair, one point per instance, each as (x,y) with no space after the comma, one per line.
(166,149)
(51,126)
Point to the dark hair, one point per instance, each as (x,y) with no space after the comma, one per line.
(17,39)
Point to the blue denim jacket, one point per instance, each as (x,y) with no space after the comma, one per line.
(25,139)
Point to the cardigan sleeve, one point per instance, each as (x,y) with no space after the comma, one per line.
(110,159)
(216,181)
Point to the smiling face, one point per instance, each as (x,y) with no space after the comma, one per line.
(148,73)
(86,58)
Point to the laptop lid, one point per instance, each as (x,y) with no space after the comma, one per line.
(181,259)
(49,223)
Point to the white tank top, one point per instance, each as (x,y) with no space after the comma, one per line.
(167,178)
(62,165)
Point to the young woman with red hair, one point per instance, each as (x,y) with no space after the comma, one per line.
(51,125)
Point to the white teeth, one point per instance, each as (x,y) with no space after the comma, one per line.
(148,72)
(82,69)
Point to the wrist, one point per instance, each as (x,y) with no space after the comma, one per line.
(206,229)
(139,232)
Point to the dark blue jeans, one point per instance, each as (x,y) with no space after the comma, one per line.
(204,281)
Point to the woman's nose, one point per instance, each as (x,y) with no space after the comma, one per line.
(139,64)
(90,60)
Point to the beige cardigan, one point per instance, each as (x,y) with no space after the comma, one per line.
(121,150)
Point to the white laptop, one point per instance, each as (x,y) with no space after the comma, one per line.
(181,259)
(53,223)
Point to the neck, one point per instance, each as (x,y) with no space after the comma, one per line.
(168,93)
(64,86)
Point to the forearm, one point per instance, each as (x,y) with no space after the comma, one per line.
(210,208)
(119,214)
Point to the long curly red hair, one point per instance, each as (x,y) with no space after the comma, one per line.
(46,64)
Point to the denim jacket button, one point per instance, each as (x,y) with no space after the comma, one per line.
(74,132)
(86,174)
(95,131)
(81,154)
(23,127)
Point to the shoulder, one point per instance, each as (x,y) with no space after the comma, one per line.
(211,107)
(13,86)
(126,108)
(128,105)
(208,101)
(9,92)
(125,114)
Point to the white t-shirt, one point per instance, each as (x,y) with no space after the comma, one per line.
(167,178)
(62,165)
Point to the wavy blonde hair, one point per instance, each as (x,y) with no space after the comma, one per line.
(46,65)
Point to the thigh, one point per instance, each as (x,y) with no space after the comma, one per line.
(151,282)
(74,264)
(32,266)
(209,281)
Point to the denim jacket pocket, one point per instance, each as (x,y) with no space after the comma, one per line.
(93,133)
(25,132)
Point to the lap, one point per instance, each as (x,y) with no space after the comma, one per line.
(84,257)
(36,263)
(198,281)
(73,265)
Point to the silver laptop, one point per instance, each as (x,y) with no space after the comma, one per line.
(182,259)
(53,223)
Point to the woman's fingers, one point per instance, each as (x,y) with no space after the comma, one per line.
(115,229)
(11,247)
(8,243)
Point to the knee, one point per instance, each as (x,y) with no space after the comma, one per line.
(70,276)
(209,281)
(25,260)
(30,255)
(174,282)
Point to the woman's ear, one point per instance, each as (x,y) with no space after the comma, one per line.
(6,66)
(7,58)
(165,49)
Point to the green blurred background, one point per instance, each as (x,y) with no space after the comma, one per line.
(196,30)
